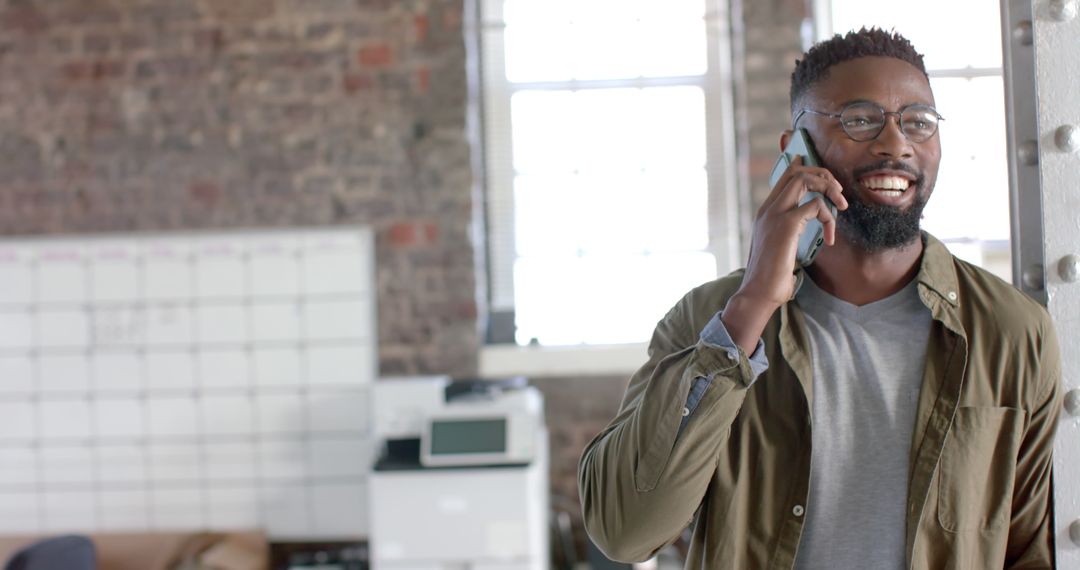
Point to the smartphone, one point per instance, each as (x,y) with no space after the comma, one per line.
(813,236)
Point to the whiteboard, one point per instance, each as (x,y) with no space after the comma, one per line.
(187,381)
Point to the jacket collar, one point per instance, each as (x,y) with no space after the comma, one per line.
(937,271)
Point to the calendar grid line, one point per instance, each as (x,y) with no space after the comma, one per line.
(176,381)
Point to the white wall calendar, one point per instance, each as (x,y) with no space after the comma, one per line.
(187,381)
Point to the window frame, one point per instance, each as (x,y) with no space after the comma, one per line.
(727,207)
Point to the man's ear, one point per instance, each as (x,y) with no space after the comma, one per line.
(785,137)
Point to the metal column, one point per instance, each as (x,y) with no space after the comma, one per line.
(1044,113)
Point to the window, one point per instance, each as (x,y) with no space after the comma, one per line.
(609,163)
(970,207)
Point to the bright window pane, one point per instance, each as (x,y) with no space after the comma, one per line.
(546,291)
(671,127)
(608,129)
(672,48)
(545,216)
(534,50)
(526,61)
(932,27)
(676,211)
(604,39)
(971,199)
(602,299)
(610,186)
(607,49)
(606,136)
(672,10)
(612,213)
(541,122)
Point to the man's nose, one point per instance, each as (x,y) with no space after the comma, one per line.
(891,141)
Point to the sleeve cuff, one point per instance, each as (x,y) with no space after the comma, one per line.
(716,334)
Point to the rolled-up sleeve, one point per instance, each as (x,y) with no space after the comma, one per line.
(642,478)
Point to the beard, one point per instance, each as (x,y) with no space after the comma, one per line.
(878,227)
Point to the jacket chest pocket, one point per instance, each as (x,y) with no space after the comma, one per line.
(977,468)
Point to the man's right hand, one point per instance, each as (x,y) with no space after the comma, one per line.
(769,280)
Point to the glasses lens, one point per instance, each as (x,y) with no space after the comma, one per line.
(919,122)
(862,121)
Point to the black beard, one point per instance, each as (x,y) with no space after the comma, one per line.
(878,227)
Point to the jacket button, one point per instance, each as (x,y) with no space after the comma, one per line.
(685,412)
(798,510)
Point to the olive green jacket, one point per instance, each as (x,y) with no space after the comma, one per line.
(979,493)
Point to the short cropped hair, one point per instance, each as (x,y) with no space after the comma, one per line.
(814,67)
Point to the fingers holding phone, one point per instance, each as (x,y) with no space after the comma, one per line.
(796,219)
(787,232)
(791,179)
(799,160)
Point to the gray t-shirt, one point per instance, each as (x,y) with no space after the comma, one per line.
(868,365)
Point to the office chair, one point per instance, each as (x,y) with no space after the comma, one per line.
(60,553)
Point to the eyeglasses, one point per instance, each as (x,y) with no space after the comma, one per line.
(864,121)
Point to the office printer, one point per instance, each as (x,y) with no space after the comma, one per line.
(461,478)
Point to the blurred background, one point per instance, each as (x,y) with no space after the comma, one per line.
(229,223)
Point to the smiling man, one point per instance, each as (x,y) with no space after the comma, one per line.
(889,406)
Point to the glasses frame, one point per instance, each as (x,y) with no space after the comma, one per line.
(884,114)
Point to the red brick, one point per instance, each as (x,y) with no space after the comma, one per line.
(76,70)
(402,234)
(88,70)
(204,192)
(452,20)
(133,41)
(96,44)
(358,82)
(24,19)
(431,233)
(467,310)
(413,234)
(107,69)
(212,40)
(422,25)
(376,55)
(423,78)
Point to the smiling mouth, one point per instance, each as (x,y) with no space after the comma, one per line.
(889,186)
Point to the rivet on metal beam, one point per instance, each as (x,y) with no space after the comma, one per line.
(1028,153)
(1067,138)
(1074,532)
(1072,402)
(1069,268)
(1022,33)
(1033,277)
(1062,10)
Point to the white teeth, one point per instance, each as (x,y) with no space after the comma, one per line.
(886,183)
(891,193)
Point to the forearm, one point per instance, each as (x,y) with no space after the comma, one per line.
(745,318)
(641,479)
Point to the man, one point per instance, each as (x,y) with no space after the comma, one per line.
(890,406)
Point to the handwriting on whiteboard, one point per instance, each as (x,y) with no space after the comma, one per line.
(117,326)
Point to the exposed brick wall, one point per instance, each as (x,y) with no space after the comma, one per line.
(772,43)
(157,115)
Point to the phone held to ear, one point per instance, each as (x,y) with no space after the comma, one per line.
(813,236)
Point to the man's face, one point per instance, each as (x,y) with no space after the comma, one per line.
(878,217)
